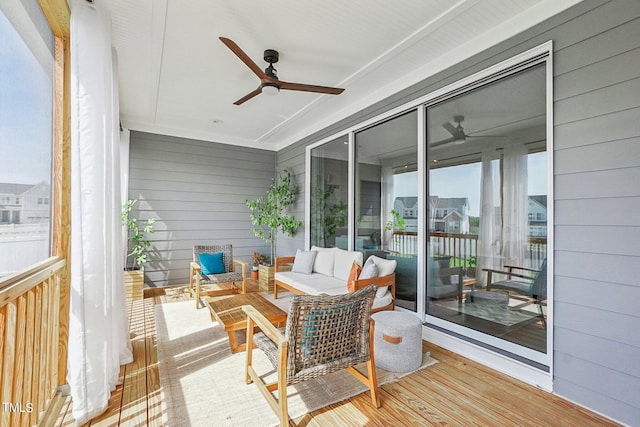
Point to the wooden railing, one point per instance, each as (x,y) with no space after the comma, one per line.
(29,338)
(462,247)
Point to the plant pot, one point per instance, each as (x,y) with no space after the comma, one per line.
(265,281)
(254,274)
(134,283)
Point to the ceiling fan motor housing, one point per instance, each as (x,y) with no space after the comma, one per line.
(271,56)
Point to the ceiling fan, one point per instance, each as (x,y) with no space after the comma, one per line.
(458,135)
(269,82)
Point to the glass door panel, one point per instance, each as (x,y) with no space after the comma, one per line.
(386,199)
(487,209)
(329,194)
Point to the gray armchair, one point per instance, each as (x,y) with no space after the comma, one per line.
(230,281)
(523,281)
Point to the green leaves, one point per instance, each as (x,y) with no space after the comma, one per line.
(269,213)
(397,223)
(137,238)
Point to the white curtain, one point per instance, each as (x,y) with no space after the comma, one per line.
(489,236)
(387,205)
(515,210)
(98,326)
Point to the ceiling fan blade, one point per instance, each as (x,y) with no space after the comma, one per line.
(451,129)
(486,136)
(310,88)
(244,58)
(249,96)
(443,142)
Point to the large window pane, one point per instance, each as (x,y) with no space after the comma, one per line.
(25,151)
(487,209)
(386,202)
(329,194)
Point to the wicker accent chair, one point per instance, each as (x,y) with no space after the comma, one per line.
(231,281)
(323,334)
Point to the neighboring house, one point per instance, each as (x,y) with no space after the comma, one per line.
(25,203)
(449,214)
(538,216)
(407,207)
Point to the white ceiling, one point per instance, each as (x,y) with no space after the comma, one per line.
(176,78)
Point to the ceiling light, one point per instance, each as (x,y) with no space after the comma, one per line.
(270,89)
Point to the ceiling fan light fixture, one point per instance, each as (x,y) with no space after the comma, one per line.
(270,89)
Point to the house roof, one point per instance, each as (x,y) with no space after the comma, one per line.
(448,202)
(540,199)
(14,189)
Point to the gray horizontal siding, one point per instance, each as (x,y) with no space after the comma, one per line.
(293,158)
(196,191)
(597,197)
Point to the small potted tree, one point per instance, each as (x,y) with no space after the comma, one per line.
(269,214)
(137,244)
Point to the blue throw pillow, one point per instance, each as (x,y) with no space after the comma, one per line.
(211,263)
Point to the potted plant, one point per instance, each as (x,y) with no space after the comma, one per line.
(471,266)
(256,259)
(269,214)
(324,211)
(137,243)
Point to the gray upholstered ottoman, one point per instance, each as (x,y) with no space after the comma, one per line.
(397,341)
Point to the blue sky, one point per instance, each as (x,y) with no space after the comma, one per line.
(464,181)
(25,112)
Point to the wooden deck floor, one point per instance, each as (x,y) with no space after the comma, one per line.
(454,392)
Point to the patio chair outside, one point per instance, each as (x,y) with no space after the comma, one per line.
(528,282)
(323,334)
(231,281)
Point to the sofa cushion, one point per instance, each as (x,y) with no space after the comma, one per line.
(323,263)
(381,301)
(343,261)
(303,262)
(315,284)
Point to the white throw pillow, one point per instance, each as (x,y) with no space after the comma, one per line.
(343,261)
(369,271)
(385,266)
(323,263)
(303,262)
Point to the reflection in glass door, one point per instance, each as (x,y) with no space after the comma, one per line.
(487,210)
(386,202)
(329,194)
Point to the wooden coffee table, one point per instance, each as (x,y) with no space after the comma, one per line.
(227,310)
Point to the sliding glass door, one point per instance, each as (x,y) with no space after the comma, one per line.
(455,188)
(487,209)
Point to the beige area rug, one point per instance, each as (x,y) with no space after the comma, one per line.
(203,384)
